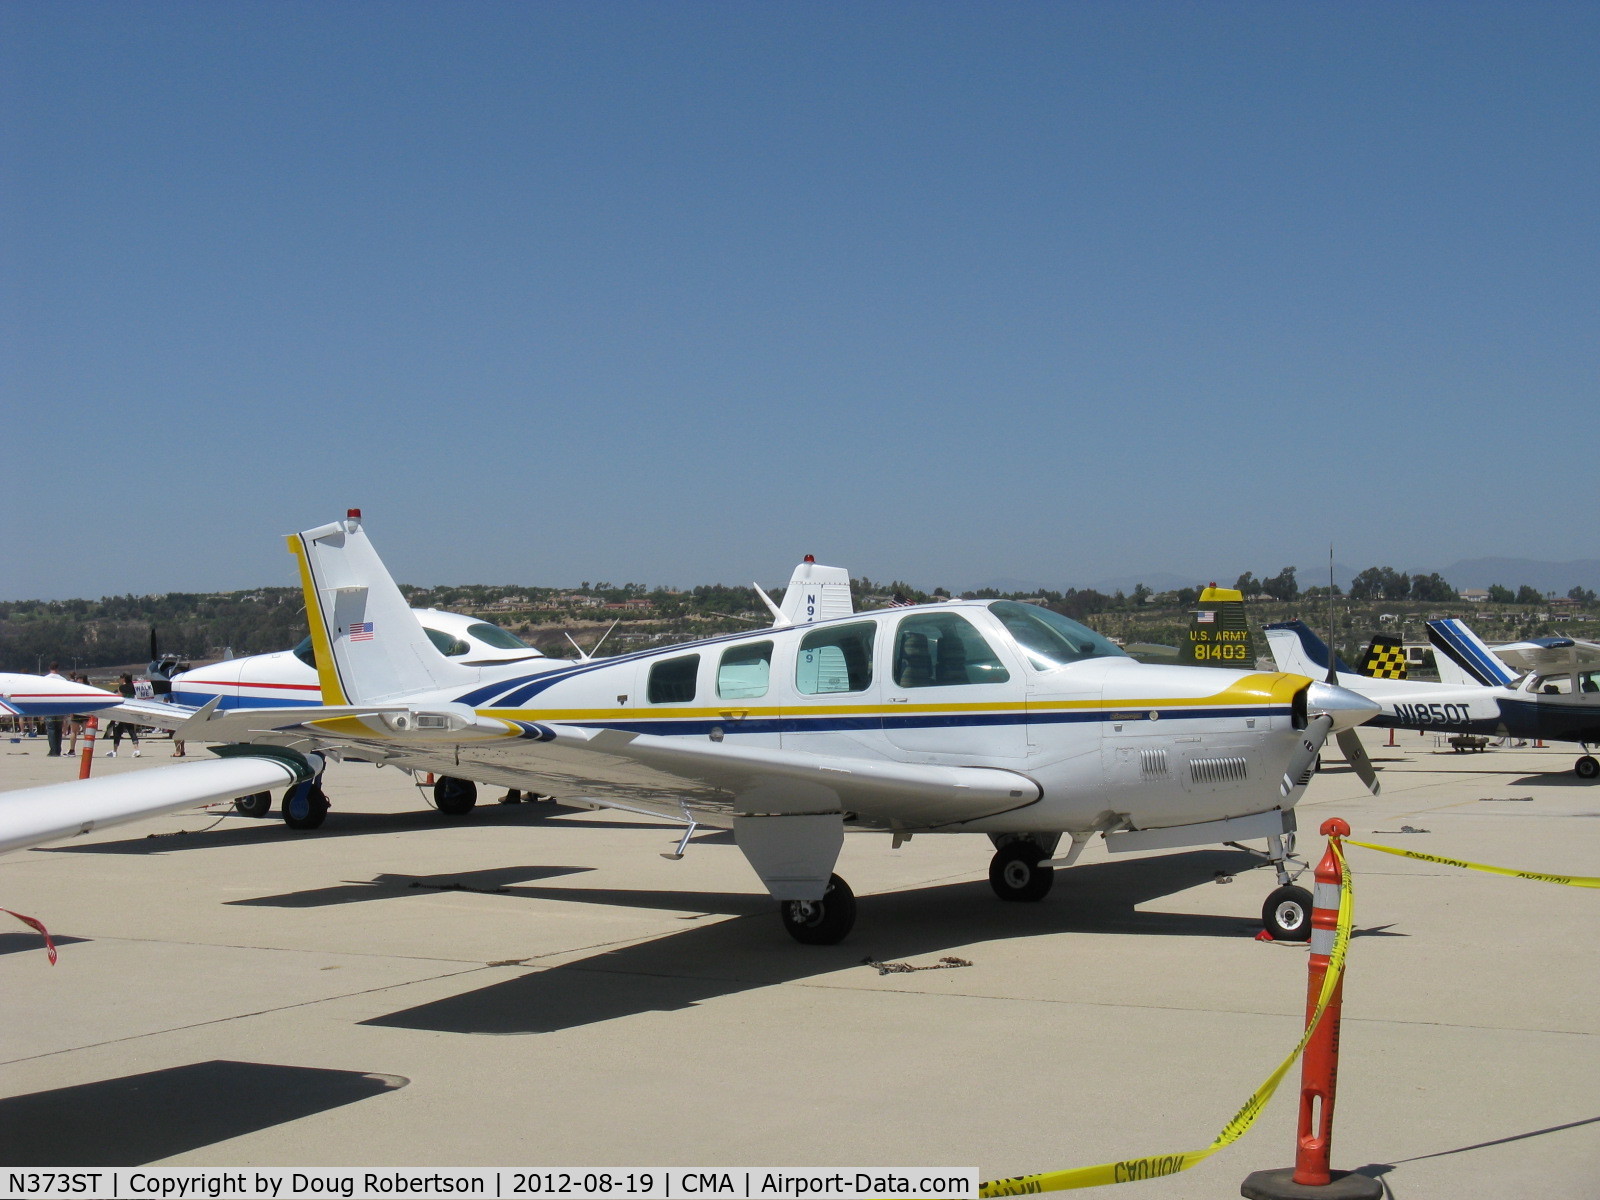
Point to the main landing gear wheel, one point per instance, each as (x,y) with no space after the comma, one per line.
(454,797)
(305,805)
(1588,767)
(254,805)
(821,922)
(1287,914)
(1016,872)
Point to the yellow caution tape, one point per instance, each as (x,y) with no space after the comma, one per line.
(1586,881)
(1153,1166)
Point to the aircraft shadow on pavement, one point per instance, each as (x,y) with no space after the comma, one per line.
(16,943)
(139,1119)
(1379,1171)
(231,830)
(751,951)
(493,881)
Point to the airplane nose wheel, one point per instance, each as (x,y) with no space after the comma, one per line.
(1588,767)
(1287,914)
(1016,873)
(821,922)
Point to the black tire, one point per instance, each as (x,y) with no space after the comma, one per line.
(1588,767)
(305,806)
(257,804)
(1287,914)
(1015,872)
(454,797)
(821,922)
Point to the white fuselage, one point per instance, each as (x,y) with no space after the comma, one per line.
(1103,742)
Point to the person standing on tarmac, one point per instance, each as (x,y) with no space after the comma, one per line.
(119,728)
(52,725)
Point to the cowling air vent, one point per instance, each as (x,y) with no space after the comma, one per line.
(1217,770)
(1153,764)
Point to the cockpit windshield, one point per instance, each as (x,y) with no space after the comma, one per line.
(1049,639)
(493,635)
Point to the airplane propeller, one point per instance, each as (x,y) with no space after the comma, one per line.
(1349,741)
(1356,755)
(1300,765)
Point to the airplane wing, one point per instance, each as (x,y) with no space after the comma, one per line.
(1550,654)
(31,816)
(789,781)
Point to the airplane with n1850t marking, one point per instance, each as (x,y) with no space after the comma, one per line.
(990,717)
(1554,694)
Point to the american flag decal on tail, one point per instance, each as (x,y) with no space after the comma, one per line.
(361,631)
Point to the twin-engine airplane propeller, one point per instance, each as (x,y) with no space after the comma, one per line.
(989,717)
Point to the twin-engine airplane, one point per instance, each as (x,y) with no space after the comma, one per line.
(989,717)
(1553,695)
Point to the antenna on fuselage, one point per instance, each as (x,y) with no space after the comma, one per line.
(588,655)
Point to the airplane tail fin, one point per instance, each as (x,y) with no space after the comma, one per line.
(1385,658)
(1452,641)
(1219,634)
(1295,648)
(369,644)
(815,593)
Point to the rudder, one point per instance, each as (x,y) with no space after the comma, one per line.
(369,645)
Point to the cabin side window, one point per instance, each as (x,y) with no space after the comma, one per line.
(672,680)
(835,658)
(943,650)
(744,670)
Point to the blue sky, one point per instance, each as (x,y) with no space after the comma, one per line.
(678,292)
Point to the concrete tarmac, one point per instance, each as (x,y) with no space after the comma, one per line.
(535,987)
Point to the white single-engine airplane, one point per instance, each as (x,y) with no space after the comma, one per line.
(1556,699)
(989,717)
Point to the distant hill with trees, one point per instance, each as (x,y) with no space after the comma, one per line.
(115,631)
